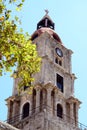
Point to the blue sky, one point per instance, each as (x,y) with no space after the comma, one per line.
(70,18)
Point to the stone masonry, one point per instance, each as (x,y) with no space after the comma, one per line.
(51,105)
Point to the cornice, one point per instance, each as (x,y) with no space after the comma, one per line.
(72,99)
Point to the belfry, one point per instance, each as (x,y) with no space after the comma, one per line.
(52,104)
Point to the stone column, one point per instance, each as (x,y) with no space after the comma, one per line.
(8,116)
(71,113)
(30,109)
(64,111)
(10,111)
(49,107)
(77,107)
(55,102)
(14,110)
(16,107)
(37,99)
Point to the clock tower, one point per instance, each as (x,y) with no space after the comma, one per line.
(51,104)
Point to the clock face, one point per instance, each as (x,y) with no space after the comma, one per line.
(59,52)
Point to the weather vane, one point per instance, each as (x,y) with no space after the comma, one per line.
(46,11)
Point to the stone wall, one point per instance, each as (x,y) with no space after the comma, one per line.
(43,121)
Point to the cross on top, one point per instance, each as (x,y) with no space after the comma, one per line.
(46,11)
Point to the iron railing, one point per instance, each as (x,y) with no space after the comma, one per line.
(48,109)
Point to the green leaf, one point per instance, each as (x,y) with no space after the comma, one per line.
(23,0)
(17,9)
(16,48)
(20,5)
(16,18)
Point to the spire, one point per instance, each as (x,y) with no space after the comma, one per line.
(46,22)
(46,11)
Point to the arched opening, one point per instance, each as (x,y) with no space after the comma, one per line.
(59,111)
(25,111)
(60,63)
(59,82)
(53,100)
(46,22)
(41,100)
(25,87)
(56,60)
(74,112)
(34,101)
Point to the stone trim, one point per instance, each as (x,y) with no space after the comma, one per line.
(6,126)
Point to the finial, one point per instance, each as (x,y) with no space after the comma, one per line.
(46,11)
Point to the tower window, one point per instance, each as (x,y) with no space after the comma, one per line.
(74,111)
(53,100)
(26,108)
(25,87)
(41,100)
(59,82)
(34,101)
(46,22)
(58,61)
(59,111)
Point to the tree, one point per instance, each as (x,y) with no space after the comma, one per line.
(16,49)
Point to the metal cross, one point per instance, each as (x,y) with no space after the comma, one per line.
(46,11)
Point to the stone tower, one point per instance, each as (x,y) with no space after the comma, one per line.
(52,104)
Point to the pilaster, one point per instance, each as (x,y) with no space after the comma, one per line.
(71,113)
(37,99)
(49,107)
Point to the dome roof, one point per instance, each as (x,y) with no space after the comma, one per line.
(49,31)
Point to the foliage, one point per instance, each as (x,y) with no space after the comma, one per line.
(16,50)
